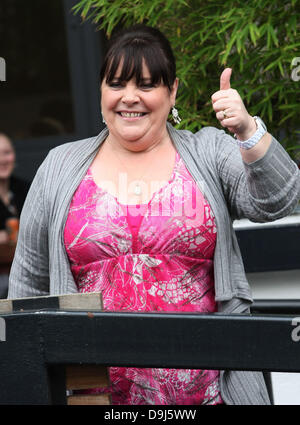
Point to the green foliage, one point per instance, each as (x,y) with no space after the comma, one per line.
(257,39)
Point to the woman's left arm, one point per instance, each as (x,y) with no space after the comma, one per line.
(261,183)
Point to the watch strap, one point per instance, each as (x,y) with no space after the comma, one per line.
(253,140)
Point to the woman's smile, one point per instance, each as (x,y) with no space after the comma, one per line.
(131,116)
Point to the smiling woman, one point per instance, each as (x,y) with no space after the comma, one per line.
(138,90)
(166,247)
(137,111)
(139,86)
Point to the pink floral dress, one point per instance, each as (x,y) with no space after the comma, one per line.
(149,257)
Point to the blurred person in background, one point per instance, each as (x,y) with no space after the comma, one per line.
(13,191)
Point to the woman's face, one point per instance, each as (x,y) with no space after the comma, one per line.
(136,115)
(7,157)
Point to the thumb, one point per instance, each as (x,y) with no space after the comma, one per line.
(225,79)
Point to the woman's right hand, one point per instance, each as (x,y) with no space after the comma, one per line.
(3,237)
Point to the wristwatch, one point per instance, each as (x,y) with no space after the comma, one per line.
(261,130)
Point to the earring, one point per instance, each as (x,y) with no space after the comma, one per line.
(103,120)
(175,115)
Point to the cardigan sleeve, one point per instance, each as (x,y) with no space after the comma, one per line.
(29,274)
(264,190)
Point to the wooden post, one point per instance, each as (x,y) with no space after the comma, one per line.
(56,381)
(85,377)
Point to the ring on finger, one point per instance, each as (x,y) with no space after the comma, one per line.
(224,115)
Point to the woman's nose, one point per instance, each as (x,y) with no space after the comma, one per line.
(130,94)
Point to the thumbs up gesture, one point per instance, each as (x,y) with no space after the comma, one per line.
(230,109)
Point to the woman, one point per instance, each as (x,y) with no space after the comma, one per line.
(12,196)
(143,213)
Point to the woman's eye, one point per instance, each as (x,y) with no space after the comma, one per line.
(115,84)
(147,86)
(142,86)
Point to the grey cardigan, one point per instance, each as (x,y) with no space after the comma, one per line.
(264,190)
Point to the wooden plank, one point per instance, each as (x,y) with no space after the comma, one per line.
(88,399)
(6,306)
(77,301)
(86,301)
(81,377)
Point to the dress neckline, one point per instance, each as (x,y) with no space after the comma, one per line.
(89,172)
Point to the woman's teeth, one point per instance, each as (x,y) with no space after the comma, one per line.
(131,114)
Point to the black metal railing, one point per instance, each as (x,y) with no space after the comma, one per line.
(276,306)
(38,343)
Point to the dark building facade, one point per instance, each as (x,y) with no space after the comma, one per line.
(51,92)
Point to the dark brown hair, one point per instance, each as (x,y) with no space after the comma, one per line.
(132,46)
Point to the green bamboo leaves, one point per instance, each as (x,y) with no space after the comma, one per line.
(259,40)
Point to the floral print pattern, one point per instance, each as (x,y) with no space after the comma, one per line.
(150,257)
